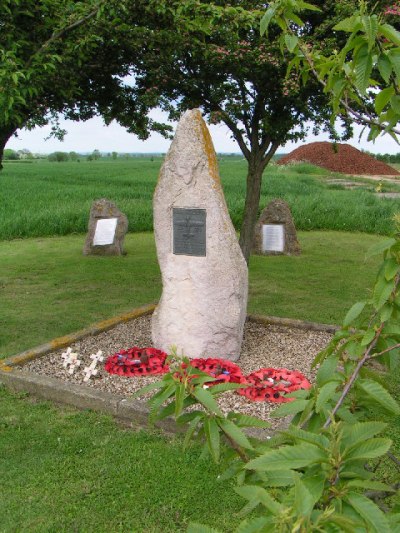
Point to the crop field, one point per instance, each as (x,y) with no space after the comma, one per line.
(43,199)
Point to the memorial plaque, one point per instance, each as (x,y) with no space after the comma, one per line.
(273,237)
(105,231)
(189,231)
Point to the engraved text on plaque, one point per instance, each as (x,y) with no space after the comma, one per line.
(189,231)
(105,231)
(273,238)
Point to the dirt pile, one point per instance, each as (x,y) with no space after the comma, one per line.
(339,158)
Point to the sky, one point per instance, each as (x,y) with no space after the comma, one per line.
(93,134)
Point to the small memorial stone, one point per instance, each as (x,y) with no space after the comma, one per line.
(107,229)
(275,232)
(202,309)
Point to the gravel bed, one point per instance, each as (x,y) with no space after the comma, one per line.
(263,346)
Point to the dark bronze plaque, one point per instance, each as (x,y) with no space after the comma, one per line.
(189,227)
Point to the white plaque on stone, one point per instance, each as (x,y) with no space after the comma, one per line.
(273,237)
(105,231)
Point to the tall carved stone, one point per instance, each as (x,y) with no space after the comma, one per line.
(202,309)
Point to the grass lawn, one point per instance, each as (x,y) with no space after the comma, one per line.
(48,288)
(63,470)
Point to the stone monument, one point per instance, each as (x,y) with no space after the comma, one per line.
(202,309)
(107,229)
(275,232)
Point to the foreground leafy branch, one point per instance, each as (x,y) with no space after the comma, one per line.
(313,476)
(362,79)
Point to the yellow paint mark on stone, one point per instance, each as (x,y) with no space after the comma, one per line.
(209,150)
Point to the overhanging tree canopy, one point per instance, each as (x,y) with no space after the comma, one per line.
(210,55)
(65,57)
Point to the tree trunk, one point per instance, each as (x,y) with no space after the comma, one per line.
(257,163)
(253,189)
(5,134)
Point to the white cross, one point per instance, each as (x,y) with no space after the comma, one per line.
(97,357)
(90,371)
(70,360)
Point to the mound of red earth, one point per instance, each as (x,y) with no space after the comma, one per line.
(339,158)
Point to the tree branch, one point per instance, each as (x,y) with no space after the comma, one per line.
(58,35)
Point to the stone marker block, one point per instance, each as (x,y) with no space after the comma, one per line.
(202,309)
(275,232)
(107,229)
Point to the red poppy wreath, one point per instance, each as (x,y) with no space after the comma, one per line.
(272,384)
(137,362)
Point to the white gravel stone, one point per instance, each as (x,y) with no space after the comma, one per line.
(263,346)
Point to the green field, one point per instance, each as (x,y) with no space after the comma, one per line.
(43,199)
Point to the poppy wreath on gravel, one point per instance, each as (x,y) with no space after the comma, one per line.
(271,385)
(222,370)
(137,362)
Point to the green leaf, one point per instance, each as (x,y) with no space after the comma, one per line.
(394,57)
(247,421)
(386,312)
(148,388)
(231,471)
(383,97)
(381,247)
(235,433)
(225,387)
(382,291)
(370,24)
(291,42)
(353,313)
(349,24)
(380,395)
(289,408)
(255,525)
(368,337)
(211,431)
(325,393)
(206,399)
(390,33)
(287,457)
(303,500)
(158,399)
(391,267)
(369,512)
(370,485)
(307,436)
(370,449)
(395,103)
(362,68)
(266,19)
(327,369)
(179,397)
(191,431)
(279,478)
(255,493)
(188,417)
(361,431)
(385,70)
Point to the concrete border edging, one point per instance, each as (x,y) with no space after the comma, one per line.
(292,322)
